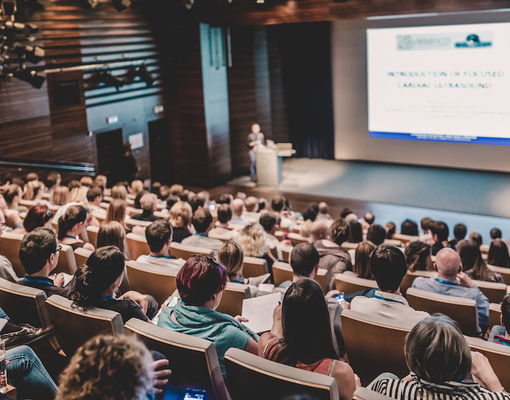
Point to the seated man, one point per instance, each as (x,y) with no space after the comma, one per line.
(388,266)
(95,197)
(252,206)
(269,223)
(279,209)
(499,333)
(323,215)
(39,252)
(440,234)
(148,203)
(459,233)
(224,213)
(159,238)
(237,212)
(376,234)
(202,222)
(452,281)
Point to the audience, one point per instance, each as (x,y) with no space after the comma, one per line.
(95,285)
(452,281)
(333,258)
(376,234)
(159,238)
(6,269)
(252,240)
(459,233)
(60,196)
(201,282)
(498,254)
(37,217)
(442,366)
(426,227)
(301,337)
(361,267)
(440,234)
(52,183)
(113,234)
(388,266)
(202,222)
(39,253)
(409,228)
(70,225)
(12,196)
(237,212)
(390,229)
(473,264)
(279,209)
(417,256)
(224,214)
(180,218)
(148,203)
(323,214)
(496,234)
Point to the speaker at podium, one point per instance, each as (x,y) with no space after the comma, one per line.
(269,162)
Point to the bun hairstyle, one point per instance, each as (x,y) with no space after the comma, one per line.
(103,268)
(73,215)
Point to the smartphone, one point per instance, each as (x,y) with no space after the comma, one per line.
(340,298)
(195,394)
(212,207)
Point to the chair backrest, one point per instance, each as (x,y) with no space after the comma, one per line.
(286,250)
(134,211)
(349,246)
(54,225)
(393,242)
(92,232)
(253,266)
(457,308)
(505,273)
(374,345)
(193,361)
(151,279)
(223,238)
(66,262)
(232,300)
(282,272)
(408,280)
(74,327)
(137,245)
(351,284)
(81,256)
(498,355)
(321,279)
(405,238)
(296,238)
(279,235)
(179,250)
(494,315)
(138,222)
(253,378)
(9,247)
(23,304)
(495,292)
(28,203)
(362,393)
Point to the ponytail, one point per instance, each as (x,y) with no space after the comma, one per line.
(73,215)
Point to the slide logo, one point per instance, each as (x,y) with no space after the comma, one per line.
(445,41)
(473,40)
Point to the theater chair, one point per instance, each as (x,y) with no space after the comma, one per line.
(223,238)
(494,315)
(505,273)
(9,247)
(457,308)
(193,361)
(393,242)
(75,327)
(495,292)
(28,203)
(253,266)
(151,279)
(251,377)
(81,256)
(179,250)
(92,232)
(349,246)
(137,245)
(286,250)
(283,272)
(408,280)
(136,222)
(351,284)
(405,239)
(232,299)
(374,345)
(66,262)
(296,238)
(362,393)
(498,355)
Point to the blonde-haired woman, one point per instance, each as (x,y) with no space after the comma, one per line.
(61,196)
(252,240)
(117,212)
(180,218)
(113,234)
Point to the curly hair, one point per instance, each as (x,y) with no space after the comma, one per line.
(252,240)
(108,368)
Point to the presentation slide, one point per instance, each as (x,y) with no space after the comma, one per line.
(440,83)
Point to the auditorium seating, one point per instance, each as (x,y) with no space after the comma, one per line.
(9,247)
(137,245)
(74,327)
(296,238)
(495,292)
(253,266)
(286,250)
(223,238)
(405,239)
(28,203)
(66,262)
(151,279)
(457,308)
(92,232)
(232,299)
(179,250)
(505,273)
(362,393)
(374,345)
(137,222)
(283,272)
(351,284)
(494,315)
(193,361)
(253,378)
(408,280)
(81,256)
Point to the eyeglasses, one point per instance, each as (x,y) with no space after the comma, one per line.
(59,247)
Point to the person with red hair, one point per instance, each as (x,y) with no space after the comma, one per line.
(201,282)
(37,217)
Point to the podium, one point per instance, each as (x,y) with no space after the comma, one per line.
(269,163)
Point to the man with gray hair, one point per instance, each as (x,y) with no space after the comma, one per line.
(452,281)
(323,215)
(148,203)
(252,206)
(237,211)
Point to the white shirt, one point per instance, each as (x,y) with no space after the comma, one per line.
(387,305)
(238,221)
(272,241)
(251,217)
(173,264)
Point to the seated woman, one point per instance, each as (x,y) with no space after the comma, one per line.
(34,192)
(117,211)
(301,336)
(356,231)
(70,225)
(180,218)
(37,217)
(201,282)
(390,229)
(361,267)
(113,234)
(473,263)
(498,254)
(442,366)
(417,256)
(252,240)
(95,285)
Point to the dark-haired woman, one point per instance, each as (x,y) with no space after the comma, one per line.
(473,263)
(498,254)
(201,282)
(37,217)
(70,225)
(301,336)
(417,256)
(95,285)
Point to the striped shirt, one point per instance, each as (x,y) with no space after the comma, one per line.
(420,389)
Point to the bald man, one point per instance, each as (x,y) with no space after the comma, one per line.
(237,211)
(452,281)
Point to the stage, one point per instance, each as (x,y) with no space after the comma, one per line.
(394,193)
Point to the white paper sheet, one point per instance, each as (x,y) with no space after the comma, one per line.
(259,312)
